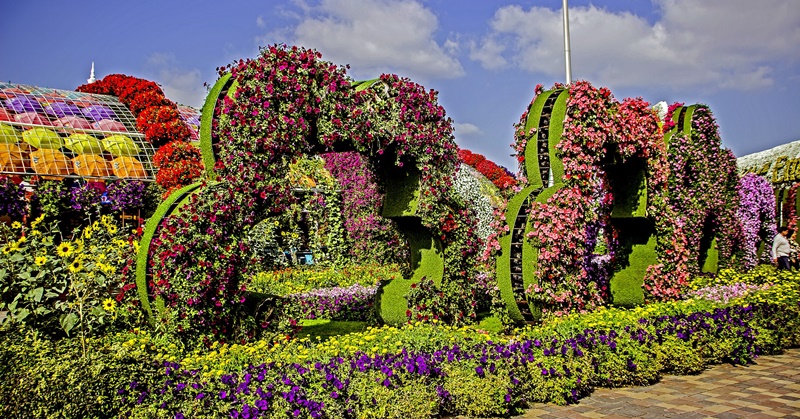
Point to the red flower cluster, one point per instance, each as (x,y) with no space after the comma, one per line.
(179,164)
(496,174)
(146,98)
(158,119)
(162,124)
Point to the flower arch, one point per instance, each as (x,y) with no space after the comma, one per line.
(569,142)
(261,115)
(614,210)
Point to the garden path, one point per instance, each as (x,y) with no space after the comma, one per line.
(770,388)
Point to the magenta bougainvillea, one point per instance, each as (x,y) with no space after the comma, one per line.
(756,214)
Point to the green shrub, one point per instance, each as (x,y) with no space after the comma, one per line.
(478,394)
(409,400)
(677,356)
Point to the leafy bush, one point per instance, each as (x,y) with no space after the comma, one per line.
(54,284)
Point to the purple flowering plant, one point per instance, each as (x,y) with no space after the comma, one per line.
(756,214)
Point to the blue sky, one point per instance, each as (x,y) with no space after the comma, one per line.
(484,57)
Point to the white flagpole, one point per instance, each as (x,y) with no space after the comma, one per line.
(568,60)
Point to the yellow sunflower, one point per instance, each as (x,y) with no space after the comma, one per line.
(75,266)
(16,225)
(109,304)
(64,249)
(40,260)
(112,229)
(37,221)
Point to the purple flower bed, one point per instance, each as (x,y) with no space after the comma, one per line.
(562,364)
(355,302)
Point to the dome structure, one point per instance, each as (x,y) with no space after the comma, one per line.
(42,118)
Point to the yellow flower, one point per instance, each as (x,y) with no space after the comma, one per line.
(109,304)
(75,266)
(87,232)
(22,239)
(64,249)
(13,247)
(40,260)
(112,229)
(16,224)
(6,249)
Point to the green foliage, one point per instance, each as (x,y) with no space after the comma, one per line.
(60,285)
(50,379)
(411,399)
(296,280)
(677,356)
(477,395)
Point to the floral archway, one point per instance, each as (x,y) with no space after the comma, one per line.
(267,112)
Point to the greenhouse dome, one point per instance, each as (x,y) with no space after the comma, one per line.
(65,134)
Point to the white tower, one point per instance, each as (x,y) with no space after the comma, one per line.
(91,78)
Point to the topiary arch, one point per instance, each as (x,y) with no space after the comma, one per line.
(261,115)
(613,209)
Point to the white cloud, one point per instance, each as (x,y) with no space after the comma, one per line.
(709,43)
(466,129)
(260,22)
(179,85)
(377,36)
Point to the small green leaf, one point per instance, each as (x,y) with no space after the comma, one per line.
(68,322)
(21,314)
(37,294)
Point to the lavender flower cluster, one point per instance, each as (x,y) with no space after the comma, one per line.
(338,303)
(725,293)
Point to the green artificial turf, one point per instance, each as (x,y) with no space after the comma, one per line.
(402,192)
(629,185)
(427,261)
(206,120)
(503,260)
(636,252)
(532,146)
(364,84)
(554,136)
(324,329)
(164,209)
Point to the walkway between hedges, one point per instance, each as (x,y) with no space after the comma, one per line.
(770,388)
